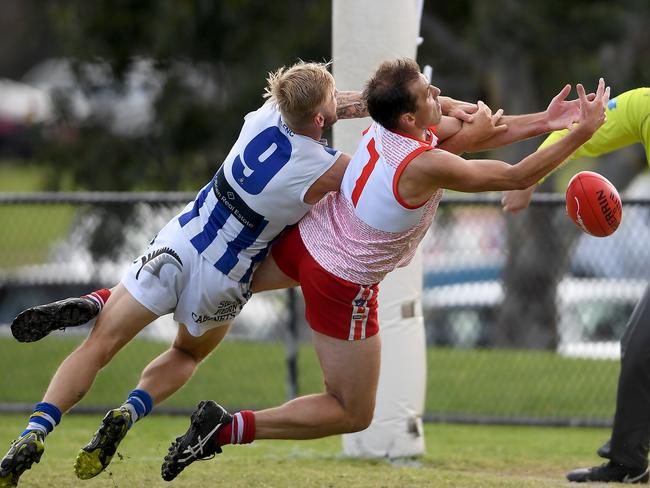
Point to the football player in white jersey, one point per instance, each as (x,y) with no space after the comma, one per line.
(199,265)
(352,238)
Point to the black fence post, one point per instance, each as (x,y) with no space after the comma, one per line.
(292,345)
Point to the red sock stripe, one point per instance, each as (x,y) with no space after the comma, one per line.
(249,427)
(240,431)
(100,296)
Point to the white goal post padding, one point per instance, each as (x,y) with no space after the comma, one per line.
(366,32)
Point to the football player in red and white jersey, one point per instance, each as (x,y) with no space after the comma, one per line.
(278,168)
(351,239)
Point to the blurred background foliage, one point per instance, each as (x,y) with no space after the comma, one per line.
(197,67)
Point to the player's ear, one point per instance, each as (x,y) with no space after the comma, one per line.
(319,119)
(407,119)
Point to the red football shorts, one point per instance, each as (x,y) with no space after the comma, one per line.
(333,306)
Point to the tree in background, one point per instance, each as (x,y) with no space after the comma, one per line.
(210,60)
(196,67)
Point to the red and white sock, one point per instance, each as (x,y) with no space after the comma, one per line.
(240,431)
(100,297)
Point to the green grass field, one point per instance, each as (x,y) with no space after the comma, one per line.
(33,227)
(473,382)
(457,456)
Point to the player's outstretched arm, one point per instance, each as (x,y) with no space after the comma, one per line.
(560,114)
(457,108)
(517,200)
(456,137)
(444,170)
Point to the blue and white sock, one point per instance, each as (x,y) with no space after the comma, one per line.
(139,404)
(45,417)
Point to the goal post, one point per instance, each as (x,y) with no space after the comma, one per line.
(364,33)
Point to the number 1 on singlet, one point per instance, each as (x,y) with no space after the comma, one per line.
(365,172)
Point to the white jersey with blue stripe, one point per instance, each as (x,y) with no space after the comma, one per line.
(256,194)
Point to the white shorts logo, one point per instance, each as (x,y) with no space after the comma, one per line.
(154,261)
(226,311)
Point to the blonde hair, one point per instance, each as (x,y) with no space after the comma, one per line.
(299,90)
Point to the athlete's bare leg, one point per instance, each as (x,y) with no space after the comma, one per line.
(269,276)
(173,368)
(351,371)
(121,319)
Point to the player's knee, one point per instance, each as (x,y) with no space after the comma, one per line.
(359,420)
(358,415)
(190,353)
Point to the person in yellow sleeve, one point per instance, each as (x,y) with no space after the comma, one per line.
(628,122)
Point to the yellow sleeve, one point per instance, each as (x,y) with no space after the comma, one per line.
(552,139)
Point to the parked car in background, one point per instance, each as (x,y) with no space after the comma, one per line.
(591,314)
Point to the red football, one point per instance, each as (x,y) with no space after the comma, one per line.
(593,204)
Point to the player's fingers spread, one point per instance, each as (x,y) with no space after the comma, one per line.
(591,97)
(460,115)
(581,92)
(601,87)
(600,91)
(606,97)
(564,92)
(495,118)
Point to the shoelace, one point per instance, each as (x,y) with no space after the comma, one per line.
(197,450)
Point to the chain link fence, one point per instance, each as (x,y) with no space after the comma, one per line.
(523,313)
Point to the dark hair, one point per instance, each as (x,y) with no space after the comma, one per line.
(387,91)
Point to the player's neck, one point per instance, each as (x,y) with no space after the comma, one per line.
(415,132)
(314,132)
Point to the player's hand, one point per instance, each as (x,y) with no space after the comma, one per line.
(458,109)
(592,112)
(515,200)
(562,113)
(484,124)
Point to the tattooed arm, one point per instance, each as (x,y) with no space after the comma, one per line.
(351,105)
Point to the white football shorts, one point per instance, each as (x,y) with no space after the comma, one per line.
(171,276)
